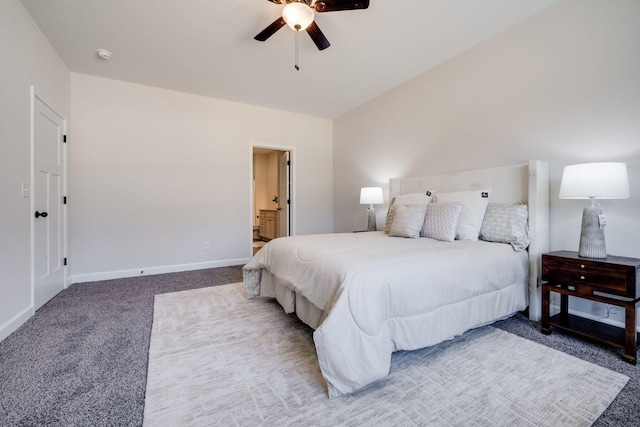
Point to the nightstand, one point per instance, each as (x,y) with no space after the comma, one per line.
(613,280)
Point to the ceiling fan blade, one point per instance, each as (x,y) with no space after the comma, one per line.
(318,36)
(270,30)
(336,5)
(277,1)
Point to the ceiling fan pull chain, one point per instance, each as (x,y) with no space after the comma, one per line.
(296,60)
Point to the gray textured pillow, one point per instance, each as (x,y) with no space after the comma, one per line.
(441,220)
(407,221)
(506,224)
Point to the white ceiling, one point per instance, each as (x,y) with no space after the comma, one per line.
(206,47)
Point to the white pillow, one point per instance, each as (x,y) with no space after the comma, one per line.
(413,198)
(440,221)
(408,221)
(475,205)
(506,224)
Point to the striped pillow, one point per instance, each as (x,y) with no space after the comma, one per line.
(405,199)
(407,221)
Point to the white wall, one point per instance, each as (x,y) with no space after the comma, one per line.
(156,173)
(27,59)
(562,86)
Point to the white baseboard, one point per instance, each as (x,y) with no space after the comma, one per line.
(147,271)
(14,323)
(555,308)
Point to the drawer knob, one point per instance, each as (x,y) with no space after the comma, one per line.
(581,277)
(581,265)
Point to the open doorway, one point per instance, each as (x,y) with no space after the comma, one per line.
(271,195)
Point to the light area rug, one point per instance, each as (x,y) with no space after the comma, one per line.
(216,358)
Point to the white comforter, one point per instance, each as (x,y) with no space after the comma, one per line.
(379,294)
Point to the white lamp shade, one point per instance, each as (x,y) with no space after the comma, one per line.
(599,180)
(297,14)
(371,196)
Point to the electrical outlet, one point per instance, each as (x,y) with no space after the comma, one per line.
(612,310)
(205,246)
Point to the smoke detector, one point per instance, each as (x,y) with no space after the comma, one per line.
(104,54)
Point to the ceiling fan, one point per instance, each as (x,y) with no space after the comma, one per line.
(299,15)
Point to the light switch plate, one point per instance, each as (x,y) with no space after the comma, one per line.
(26,190)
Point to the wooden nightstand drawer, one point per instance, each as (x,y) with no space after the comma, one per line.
(615,275)
(590,278)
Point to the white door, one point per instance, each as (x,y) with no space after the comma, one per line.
(284,201)
(47,193)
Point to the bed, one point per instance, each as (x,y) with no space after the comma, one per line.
(369,294)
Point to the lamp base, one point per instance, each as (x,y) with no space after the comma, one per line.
(371,219)
(592,243)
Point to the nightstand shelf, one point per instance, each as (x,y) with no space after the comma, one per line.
(587,328)
(613,280)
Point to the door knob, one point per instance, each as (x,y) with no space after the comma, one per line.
(41,214)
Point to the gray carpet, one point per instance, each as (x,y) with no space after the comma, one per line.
(82,359)
(216,359)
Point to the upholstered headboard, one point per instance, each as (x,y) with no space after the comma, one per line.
(526,183)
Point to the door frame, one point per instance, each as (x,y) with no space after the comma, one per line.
(292,188)
(286,180)
(37,95)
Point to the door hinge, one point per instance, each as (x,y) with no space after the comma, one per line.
(288,162)
(65,260)
(64,138)
(288,201)
(64,200)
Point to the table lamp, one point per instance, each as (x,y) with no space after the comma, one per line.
(370,196)
(594,181)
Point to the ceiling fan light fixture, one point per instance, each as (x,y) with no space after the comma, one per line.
(298,16)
